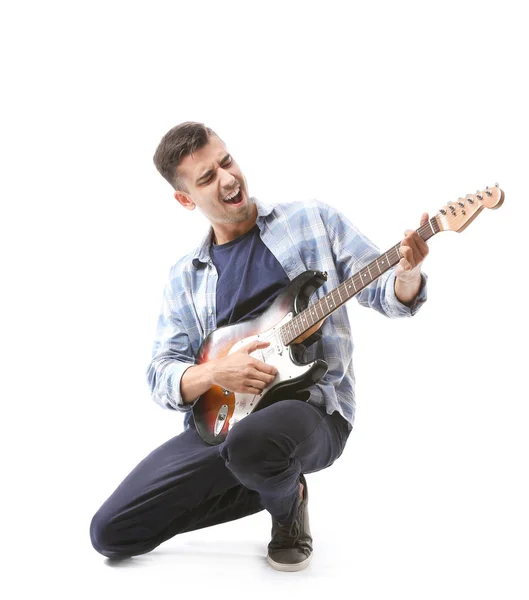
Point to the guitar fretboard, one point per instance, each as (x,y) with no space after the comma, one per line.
(322,308)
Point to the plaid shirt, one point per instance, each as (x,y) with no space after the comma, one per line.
(302,236)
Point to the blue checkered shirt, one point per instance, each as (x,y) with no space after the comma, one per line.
(301,235)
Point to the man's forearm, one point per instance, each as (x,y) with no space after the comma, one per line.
(406,292)
(195,381)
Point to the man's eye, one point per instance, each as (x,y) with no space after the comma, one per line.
(225,163)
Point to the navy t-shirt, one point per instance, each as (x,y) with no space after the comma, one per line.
(249,278)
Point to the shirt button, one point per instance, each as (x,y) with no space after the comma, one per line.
(210,311)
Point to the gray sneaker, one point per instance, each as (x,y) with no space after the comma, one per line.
(291,546)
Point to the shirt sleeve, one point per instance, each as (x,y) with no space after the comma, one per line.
(171,357)
(351,252)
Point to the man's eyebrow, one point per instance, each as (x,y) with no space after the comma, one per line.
(210,171)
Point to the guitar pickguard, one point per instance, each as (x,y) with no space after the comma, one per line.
(277,355)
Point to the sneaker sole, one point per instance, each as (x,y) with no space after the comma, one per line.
(285,567)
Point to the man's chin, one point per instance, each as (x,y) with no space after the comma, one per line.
(243,211)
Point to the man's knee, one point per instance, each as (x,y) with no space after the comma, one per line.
(103,538)
(247,451)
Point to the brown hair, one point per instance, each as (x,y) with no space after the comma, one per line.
(176,144)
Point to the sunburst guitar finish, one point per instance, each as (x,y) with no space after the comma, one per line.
(217,411)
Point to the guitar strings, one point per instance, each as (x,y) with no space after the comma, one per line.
(424,229)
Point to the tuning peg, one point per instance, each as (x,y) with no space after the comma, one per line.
(496,185)
(461,204)
(443,211)
(487,192)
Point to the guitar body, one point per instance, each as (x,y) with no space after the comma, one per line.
(217,410)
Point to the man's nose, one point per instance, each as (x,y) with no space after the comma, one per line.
(227,180)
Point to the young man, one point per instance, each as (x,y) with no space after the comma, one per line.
(252,251)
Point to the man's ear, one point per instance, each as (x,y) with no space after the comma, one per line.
(185,200)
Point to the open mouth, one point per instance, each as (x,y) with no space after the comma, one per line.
(235,200)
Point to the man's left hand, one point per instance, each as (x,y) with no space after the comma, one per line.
(413,250)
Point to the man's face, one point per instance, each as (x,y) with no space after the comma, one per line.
(211,176)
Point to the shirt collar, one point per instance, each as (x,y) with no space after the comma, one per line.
(201,253)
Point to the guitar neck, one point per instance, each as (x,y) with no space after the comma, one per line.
(316,313)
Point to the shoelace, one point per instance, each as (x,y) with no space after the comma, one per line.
(287,535)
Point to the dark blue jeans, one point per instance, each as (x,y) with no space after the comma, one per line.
(185,484)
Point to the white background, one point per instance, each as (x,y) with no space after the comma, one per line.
(384,110)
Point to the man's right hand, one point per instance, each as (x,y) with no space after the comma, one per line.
(242,373)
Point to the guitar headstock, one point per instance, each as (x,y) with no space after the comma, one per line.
(457,216)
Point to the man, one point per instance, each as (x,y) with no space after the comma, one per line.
(250,254)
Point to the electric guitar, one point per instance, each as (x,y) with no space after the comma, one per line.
(290,324)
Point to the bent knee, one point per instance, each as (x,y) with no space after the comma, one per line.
(104,539)
(248,455)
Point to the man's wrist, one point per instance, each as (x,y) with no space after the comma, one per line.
(195,381)
(408,290)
